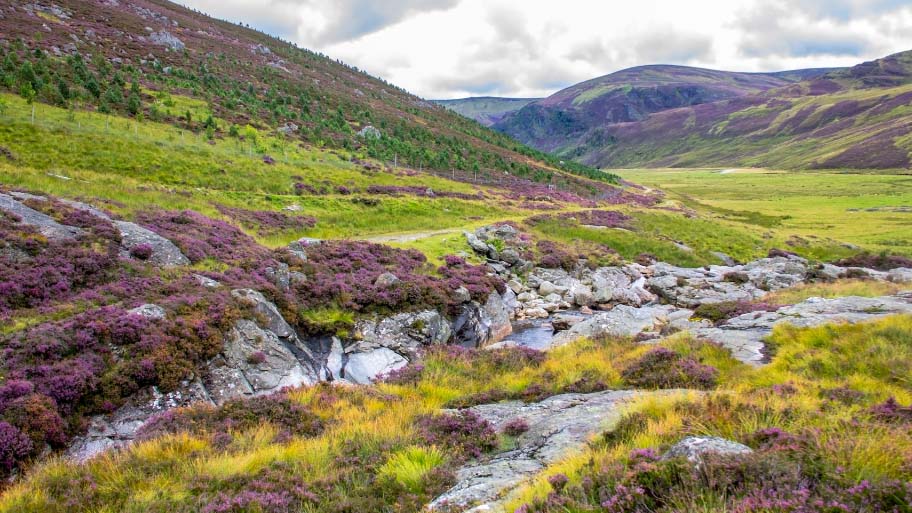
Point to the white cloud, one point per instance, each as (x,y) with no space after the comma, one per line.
(454,48)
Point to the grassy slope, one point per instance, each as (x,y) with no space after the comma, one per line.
(243,77)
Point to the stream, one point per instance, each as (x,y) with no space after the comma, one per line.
(537,333)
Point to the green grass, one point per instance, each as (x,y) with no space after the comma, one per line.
(409,466)
(145,164)
(855,208)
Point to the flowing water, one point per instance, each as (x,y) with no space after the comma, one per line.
(536,333)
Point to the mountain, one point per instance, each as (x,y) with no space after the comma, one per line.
(149,48)
(669,116)
(555,123)
(487,110)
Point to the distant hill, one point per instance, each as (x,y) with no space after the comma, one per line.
(554,123)
(487,110)
(675,116)
(855,118)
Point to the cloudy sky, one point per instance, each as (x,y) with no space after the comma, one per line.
(528,48)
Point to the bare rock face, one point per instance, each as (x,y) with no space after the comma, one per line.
(44,223)
(119,429)
(149,311)
(265,363)
(164,252)
(364,368)
(165,38)
(386,345)
(480,325)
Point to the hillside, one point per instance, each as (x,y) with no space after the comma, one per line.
(128,57)
(826,119)
(626,96)
(486,110)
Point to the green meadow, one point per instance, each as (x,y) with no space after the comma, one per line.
(866,209)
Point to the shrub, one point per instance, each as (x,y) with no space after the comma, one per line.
(891,411)
(720,312)
(267,222)
(736,277)
(141,251)
(516,427)
(664,368)
(272,490)
(881,261)
(14,447)
(464,433)
(411,374)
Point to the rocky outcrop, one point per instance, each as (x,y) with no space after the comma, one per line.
(44,223)
(164,252)
(480,325)
(119,429)
(254,362)
(257,359)
(620,321)
(365,367)
(503,246)
(403,333)
(689,288)
(558,426)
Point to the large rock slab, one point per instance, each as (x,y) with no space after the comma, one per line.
(164,252)
(558,426)
(254,362)
(620,285)
(480,325)
(45,224)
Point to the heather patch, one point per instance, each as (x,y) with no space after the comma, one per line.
(345,274)
(36,271)
(242,414)
(665,368)
(266,222)
(464,433)
(56,373)
(880,261)
(200,237)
